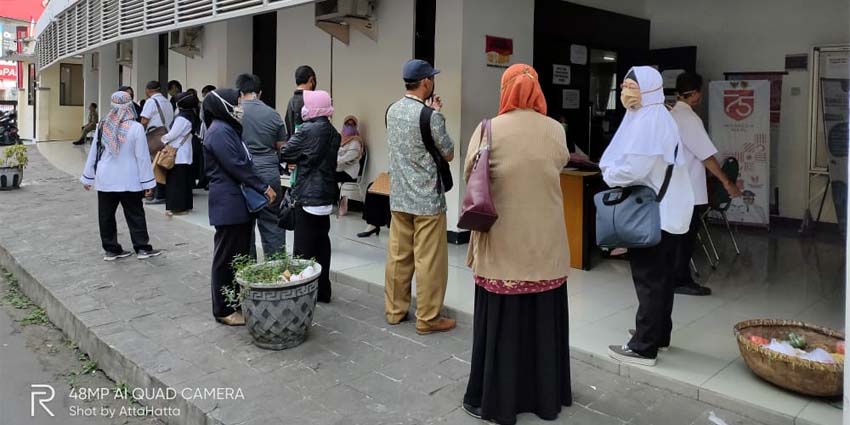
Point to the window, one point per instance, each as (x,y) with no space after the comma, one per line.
(70,84)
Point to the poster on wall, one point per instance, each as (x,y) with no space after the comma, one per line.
(571,99)
(835,98)
(561,75)
(578,54)
(739,123)
(499,51)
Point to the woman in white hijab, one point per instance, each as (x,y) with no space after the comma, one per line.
(119,168)
(646,143)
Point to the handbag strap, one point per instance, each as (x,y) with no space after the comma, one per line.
(99,147)
(667,176)
(486,134)
(161,115)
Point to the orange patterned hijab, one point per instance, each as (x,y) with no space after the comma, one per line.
(521,90)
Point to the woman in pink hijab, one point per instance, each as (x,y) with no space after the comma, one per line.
(313,149)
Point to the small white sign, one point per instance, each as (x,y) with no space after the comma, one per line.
(561,75)
(571,99)
(578,54)
(669,76)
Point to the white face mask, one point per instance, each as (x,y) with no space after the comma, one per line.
(235,111)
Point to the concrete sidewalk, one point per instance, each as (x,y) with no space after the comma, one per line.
(148,324)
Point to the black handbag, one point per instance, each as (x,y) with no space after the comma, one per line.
(444,171)
(286,215)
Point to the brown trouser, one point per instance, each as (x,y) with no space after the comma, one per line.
(417,244)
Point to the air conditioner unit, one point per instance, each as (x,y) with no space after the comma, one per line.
(186,41)
(125,53)
(337,17)
(336,10)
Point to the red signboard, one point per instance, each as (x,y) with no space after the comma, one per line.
(20,34)
(9,72)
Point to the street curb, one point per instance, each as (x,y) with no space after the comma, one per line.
(117,365)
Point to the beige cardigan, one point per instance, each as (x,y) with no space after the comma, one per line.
(529,240)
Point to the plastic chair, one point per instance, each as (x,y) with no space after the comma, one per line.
(719,201)
(358,184)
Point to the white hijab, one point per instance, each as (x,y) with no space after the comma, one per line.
(648,131)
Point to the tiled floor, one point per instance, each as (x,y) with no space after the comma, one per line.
(778,275)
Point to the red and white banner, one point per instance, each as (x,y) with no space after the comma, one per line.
(739,124)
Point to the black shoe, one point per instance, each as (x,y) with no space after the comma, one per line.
(155,201)
(475,412)
(664,348)
(145,254)
(112,256)
(375,231)
(624,354)
(79,142)
(692,289)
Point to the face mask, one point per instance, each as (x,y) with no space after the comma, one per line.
(630,98)
(235,111)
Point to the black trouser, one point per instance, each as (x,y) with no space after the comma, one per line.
(683,254)
(134,213)
(312,241)
(179,195)
(652,274)
(159,191)
(343,177)
(229,241)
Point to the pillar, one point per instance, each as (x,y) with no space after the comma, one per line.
(107,71)
(91,85)
(145,63)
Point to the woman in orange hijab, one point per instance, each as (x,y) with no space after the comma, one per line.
(520,351)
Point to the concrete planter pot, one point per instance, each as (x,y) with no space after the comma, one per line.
(10,177)
(279,315)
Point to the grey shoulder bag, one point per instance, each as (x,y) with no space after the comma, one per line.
(630,217)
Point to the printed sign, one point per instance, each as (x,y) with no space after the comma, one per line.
(571,99)
(835,98)
(9,71)
(578,54)
(499,51)
(739,118)
(561,75)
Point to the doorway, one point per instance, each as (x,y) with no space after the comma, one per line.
(426,19)
(265,55)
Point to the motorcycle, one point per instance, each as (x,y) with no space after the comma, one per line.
(9,128)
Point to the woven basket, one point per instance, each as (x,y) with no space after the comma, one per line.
(792,373)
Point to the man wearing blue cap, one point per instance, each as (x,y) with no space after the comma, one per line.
(418,145)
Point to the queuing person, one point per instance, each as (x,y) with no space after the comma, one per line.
(156,114)
(699,153)
(136,107)
(264,133)
(646,143)
(418,234)
(173,89)
(206,90)
(517,290)
(313,149)
(305,79)
(121,176)
(90,125)
(180,180)
(376,213)
(351,152)
(199,175)
(203,181)
(229,167)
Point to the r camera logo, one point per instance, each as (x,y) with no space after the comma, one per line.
(43,394)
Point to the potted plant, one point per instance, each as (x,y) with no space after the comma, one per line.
(277,296)
(12,165)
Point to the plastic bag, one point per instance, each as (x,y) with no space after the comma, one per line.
(818,355)
(782,347)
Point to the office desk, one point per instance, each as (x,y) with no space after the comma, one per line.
(578,188)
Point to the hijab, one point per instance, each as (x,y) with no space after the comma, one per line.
(118,121)
(221,105)
(316,104)
(351,133)
(521,90)
(647,130)
(187,103)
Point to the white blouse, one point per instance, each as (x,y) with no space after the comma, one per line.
(649,170)
(177,138)
(128,171)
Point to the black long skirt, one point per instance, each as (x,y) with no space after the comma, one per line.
(520,355)
(179,181)
(376,209)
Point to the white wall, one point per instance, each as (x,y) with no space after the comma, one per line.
(145,63)
(636,8)
(755,36)
(299,42)
(226,52)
